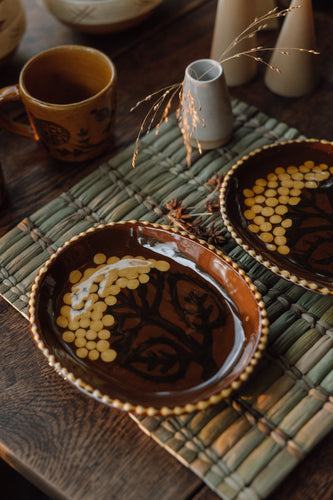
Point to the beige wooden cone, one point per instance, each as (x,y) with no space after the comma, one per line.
(264,6)
(232,17)
(297,75)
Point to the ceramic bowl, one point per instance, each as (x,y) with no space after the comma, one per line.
(100,16)
(12,29)
(277,204)
(145,318)
(9,10)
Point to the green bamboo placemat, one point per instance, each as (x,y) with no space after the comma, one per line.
(245,446)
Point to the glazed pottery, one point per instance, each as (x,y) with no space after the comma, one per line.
(232,18)
(144,318)
(100,16)
(297,74)
(69,93)
(277,204)
(12,27)
(207,117)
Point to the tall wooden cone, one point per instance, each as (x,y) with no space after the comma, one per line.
(232,17)
(264,6)
(298,75)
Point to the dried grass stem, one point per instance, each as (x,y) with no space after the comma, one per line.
(188,116)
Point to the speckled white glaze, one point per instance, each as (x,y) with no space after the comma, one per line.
(100,16)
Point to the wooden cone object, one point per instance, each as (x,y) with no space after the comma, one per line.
(264,6)
(232,18)
(297,76)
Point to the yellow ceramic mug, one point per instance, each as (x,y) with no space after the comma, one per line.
(69,93)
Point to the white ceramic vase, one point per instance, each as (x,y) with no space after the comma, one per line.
(297,74)
(232,18)
(206,111)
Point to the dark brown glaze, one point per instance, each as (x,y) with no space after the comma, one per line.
(184,335)
(310,237)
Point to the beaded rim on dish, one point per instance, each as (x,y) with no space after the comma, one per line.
(276,269)
(126,406)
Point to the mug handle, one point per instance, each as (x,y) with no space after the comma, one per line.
(7,94)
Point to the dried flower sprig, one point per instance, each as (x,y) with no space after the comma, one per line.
(183,113)
(257,25)
(162,94)
(253,54)
(188,120)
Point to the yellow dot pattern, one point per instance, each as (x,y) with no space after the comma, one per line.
(84,315)
(267,201)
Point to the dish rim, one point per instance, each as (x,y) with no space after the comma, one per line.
(127,406)
(265,261)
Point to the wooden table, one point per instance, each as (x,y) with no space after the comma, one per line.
(62,441)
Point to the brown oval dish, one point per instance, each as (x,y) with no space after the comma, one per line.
(276,202)
(146,318)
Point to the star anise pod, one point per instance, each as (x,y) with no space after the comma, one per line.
(215,236)
(212,205)
(197,230)
(176,211)
(181,219)
(180,223)
(173,204)
(181,214)
(216,180)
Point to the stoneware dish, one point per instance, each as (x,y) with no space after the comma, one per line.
(277,204)
(100,16)
(12,28)
(145,318)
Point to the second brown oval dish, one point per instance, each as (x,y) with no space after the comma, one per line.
(277,203)
(146,318)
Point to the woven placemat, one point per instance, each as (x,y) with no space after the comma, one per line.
(245,446)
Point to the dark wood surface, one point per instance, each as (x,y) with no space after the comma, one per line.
(68,445)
